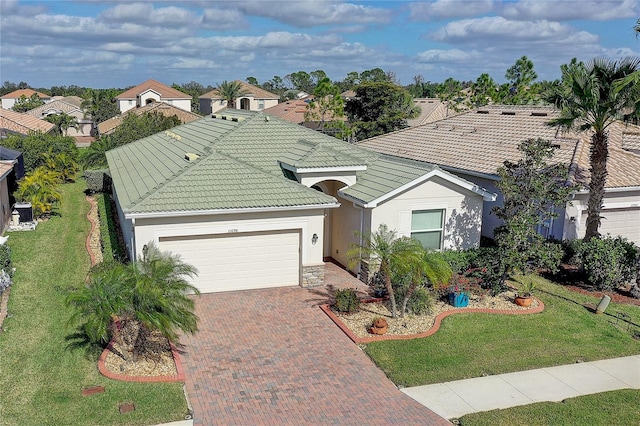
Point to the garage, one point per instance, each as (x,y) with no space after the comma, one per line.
(240,261)
(624,222)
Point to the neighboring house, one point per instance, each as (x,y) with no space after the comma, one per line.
(294,111)
(11,170)
(12,122)
(253,201)
(431,109)
(152,91)
(9,100)
(110,125)
(254,99)
(70,105)
(474,144)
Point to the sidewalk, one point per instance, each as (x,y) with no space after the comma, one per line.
(455,399)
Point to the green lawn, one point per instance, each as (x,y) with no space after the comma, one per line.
(472,345)
(603,409)
(40,377)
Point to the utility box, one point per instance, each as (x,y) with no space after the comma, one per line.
(25,211)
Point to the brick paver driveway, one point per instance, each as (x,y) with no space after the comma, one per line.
(272,357)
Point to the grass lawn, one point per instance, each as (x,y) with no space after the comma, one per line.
(472,345)
(609,408)
(40,376)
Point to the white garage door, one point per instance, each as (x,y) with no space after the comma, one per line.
(240,261)
(623,222)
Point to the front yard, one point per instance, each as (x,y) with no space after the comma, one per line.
(472,345)
(41,373)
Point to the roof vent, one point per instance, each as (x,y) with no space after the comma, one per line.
(508,113)
(482,111)
(190,156)
(539,114)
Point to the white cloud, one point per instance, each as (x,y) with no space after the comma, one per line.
(444,9)
(223,20)
(447,56)
(570,10)
(146,14)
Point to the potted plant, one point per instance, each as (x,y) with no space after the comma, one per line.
(458,296)
(379,326)
(524,296)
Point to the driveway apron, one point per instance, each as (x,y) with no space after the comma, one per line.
(272,357)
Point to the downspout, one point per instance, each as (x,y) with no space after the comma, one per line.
(133,240)
(361,237)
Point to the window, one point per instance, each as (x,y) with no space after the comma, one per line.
(427,227)
(260,104)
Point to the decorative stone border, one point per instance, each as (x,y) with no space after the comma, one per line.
(179,377)
(94,229)
(436,324)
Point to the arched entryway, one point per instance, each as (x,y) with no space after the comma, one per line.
(245,103)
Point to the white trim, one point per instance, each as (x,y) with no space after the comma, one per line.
(470,172)
(320,169)
(227,211)
(487,196)
(609,190)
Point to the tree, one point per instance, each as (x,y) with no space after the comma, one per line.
(100,104)
(375,75)
(194,89)
(450,93)
(422,89)
(388,252)
(94,156)
(379,108)
(33,147)
(520,77)
(532,189)
(63,164)
(40,188)
(230,91)
(148,295)
(483,91)
(327,105)
(590,100)
(302,81)
(24,104)
(62,122)
(252,81)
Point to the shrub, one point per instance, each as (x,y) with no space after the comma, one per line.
(461,260)
(608,261)
(420,301)
(98,180)
(5,259)
(346,300)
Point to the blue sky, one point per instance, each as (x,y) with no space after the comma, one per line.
(102,43)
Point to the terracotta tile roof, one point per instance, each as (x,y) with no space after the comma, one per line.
(25,92)
(108,126)
(165,91)
(255,91)
(5,168)
(291,111)
(23,124)
(431,109)
(480,141)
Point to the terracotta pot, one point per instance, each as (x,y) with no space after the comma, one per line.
(378,330)
(523,301)
(380,323)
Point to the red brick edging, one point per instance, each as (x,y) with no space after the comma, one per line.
(436,325)
(179,377)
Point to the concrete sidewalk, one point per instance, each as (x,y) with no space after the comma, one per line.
(455,399)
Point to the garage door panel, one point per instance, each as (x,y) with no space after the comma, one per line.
(240,261)
(624,222)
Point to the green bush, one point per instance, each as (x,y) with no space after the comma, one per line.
(98,181)
(461,260)
(420,302)
(5,259)
(608,261)
(109,241)
(346,300)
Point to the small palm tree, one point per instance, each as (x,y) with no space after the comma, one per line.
(63,122)
(40,188)
(590,98)
(230,91)
(63,165)
(390,252)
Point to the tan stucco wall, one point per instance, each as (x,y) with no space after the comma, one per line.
(463,212)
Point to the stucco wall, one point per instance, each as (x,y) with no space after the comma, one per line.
(345,223)
(309,222)
(463,212)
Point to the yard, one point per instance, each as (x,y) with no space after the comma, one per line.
(42,368)
(472,345)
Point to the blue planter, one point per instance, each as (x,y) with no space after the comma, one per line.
(458,300)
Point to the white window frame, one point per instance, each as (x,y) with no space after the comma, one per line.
(441,229)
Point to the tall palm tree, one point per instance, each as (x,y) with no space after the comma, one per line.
(388,251)
(590,100)
(63,122)
(230,91)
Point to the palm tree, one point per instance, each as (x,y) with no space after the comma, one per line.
(636,28)
(389,252)
(40,188)
(431,268)
(63,122)
(230,91)
(590,99)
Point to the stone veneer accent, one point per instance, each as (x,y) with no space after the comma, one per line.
(313,276)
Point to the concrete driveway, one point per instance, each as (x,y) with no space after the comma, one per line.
(272,357)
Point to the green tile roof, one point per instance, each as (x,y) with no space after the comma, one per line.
(236,166)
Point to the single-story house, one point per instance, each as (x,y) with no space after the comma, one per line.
(70,105)
(254,201)
(9,100)
(431,109)
(254,99)
(474,144)
(109,126)
(12,123)
(152,91)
